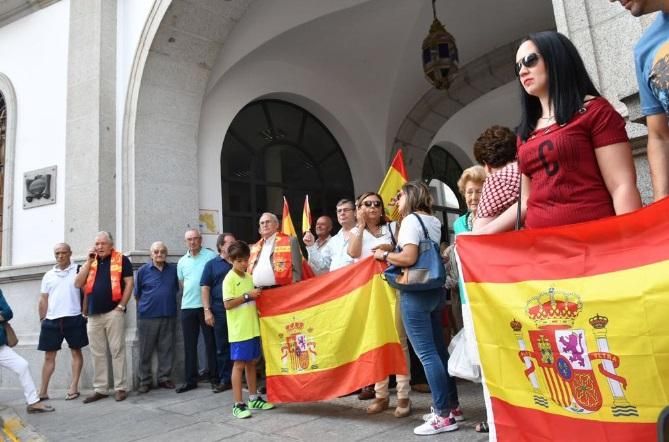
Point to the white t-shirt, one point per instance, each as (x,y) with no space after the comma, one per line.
(63,297)
(370,241)
(263,273)
(411,231)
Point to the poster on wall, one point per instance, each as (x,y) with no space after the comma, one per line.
(208,220)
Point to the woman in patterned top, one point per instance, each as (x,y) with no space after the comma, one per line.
(495,149)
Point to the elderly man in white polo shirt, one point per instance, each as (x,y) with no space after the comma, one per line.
(60,316)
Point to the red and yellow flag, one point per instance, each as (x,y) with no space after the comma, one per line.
(287,226)
(571,327)
(331,335)
(306,215)
(392,183)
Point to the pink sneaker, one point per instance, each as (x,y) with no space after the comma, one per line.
(435,425)
(456,414)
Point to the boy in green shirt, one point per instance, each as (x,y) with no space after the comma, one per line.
(243,330)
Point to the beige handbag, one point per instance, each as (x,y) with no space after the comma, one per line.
(12,340)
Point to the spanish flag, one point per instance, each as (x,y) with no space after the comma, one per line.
(392,183)
(306,215)
(331,335)
(572,327)
(287,226)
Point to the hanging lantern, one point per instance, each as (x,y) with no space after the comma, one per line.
(440,55)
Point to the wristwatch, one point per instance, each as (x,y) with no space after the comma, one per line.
(385,255)
(247,298)
(122,307)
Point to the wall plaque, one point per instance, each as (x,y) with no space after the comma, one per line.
(39,187)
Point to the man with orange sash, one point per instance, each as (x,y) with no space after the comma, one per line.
(275,259)
(107,280)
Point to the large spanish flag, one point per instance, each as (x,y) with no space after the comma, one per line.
(330,335)
(572,327)
(392,183)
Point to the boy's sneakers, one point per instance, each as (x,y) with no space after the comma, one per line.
(240,411)
(259,404)
(436,424)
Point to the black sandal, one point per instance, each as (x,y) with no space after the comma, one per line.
(482,427)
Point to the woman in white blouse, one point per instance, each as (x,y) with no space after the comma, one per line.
(373,233)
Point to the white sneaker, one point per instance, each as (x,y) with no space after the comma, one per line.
(436,425)
(428,416)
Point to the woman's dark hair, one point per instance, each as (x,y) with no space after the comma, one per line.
(238,250)
(358,204)
(568,82)
(496,146)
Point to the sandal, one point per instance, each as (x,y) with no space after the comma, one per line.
(72,396)
(43,398)
(482,427)
(31,409)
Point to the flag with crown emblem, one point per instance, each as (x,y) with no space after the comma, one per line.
(571,328)
(330,335)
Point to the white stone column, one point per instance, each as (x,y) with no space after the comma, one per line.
(90,189)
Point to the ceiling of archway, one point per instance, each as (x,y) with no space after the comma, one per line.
(369,49)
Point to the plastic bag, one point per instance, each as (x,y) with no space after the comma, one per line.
(460,364)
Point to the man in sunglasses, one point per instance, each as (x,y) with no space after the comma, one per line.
(652,70)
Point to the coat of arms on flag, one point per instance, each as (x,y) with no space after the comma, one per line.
(565,366)
(298,349)
(571,328)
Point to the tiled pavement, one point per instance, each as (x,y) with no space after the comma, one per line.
(200,415)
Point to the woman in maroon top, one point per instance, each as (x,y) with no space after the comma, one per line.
(573,150)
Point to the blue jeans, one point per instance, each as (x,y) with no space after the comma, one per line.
(223,362)
(421,314)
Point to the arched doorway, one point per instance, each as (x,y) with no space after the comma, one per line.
(441,172)
(275,148)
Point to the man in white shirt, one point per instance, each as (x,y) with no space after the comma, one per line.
(334,254)
(60,316)
(323,229)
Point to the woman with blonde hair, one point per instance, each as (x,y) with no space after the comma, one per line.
(469,185)
(421,311)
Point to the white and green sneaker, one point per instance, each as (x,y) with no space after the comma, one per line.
(240,411)
(259,404)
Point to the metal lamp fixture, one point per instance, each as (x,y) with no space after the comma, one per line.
(440,55)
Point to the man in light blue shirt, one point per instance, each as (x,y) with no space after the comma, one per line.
(189,272)
(651,57)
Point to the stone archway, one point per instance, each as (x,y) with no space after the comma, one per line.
(9,99)
(178,47)
(431,112)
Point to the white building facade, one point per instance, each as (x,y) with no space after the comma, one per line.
(147,114)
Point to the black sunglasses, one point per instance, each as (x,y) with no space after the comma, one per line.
(529,61)
(372,203)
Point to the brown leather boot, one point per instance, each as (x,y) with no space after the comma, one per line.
(403,408)
(378,405)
